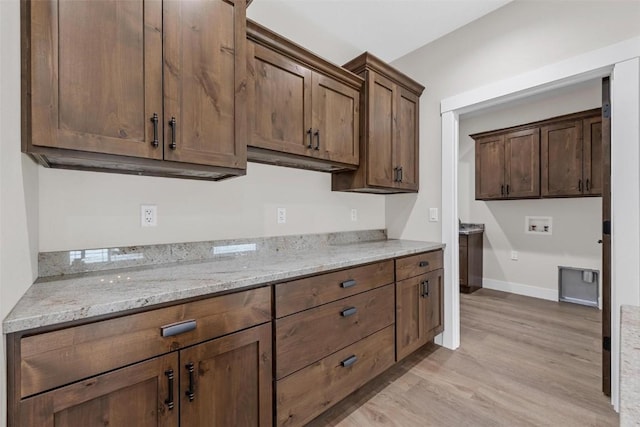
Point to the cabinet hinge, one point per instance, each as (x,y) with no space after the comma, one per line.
(606,110)
(606,343)
(606,227)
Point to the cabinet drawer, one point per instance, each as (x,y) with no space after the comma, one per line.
(309,392)
(57,358)
(292,297)
(415,265)
(309,336)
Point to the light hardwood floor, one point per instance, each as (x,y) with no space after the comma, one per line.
(522,362)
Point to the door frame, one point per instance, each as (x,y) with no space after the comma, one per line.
(621,61)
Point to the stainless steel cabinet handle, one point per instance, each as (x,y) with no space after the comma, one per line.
(177,328)
(348,283)
(348,312)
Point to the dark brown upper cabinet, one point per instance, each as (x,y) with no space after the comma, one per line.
(389,154)
(572,158)
(557,157)
(507,165)
(150,88)
(303,110)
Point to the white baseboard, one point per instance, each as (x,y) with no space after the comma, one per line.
(520,289)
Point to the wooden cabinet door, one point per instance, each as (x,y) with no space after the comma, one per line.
(463,260)
(592,143)
(409,317)
(96,75)
(137,395)
(205,82)
(230,380)
(490,165)
(380,127)
(432,297)
(561,159)
(406,142)
(279,102)
(522,163)
(336,122)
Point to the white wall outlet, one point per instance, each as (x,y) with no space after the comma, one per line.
(281,215)
(514,255)
(148,215)
(354,214)
(433,214)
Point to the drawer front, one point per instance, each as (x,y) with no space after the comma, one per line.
(292,297)
(309,336)
(415,265)
(56,358)
(334,377)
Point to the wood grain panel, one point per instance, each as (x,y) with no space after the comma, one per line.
(61,357)
(561,159)
(279,102)
(592,169)
(298,295)
(298,403)
(80,99)
(411,265)
(490,166)
(132,396)
(380,133)
(522,165)
(433,304)
(463,260)
(232,381)
(205,82)
(409,317)
(336,120)
(309,336)
(407,144)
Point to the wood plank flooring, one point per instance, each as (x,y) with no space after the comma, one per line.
(522,362)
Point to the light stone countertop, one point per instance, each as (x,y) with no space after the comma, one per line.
(94,294)
(630,366)
(467,229)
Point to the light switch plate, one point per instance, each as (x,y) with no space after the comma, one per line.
(281,215)
(433,214)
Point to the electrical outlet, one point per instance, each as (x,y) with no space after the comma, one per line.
(148,215)
(281,215)
(514,255)
(433,214)
(354,214)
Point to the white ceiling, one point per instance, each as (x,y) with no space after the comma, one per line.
(387,28)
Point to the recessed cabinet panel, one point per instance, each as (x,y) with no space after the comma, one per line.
(80,98)
(201,64)
(592,136)
(490,164)
(522,166)
(335,108)
(380,133)
(280,98)
(562,159)
(407,128)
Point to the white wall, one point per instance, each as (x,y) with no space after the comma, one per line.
(519,37)
(18,185)
(576,221)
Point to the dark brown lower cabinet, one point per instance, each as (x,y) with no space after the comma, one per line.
(138,395)
(470,262)
(419,311)
(227,381)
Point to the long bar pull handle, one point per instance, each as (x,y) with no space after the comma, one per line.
(173,125)
(177,328)
(580,185)
(154,119)
(395,174)
(401,174)
(502,190)
(349,361)
(348,312)
(508,189)
(310,135)
(191,392)
(317,134)
(348,283)
(169,402)
(588,186)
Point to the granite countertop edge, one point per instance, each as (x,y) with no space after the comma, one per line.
(49,303)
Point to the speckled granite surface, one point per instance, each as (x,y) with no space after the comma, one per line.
(93,294)
(630,366)
(82,261)
(467,229)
